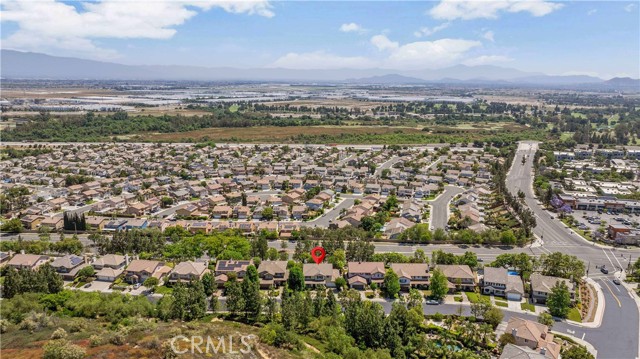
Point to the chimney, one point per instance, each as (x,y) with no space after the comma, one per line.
(514,332)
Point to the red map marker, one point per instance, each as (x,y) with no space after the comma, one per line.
(318,254)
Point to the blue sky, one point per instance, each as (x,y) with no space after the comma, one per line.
(586,37)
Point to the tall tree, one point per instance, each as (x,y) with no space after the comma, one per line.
(559,300)
(438,284)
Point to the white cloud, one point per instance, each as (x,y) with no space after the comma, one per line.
(429,54)
(426,31)
(630,7)
(50,26)
(413,55)
(489,35)
(352,27)
(592,11)
(475,9)
(487,60)
(321,60)
(382,42)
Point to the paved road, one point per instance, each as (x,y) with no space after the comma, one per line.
(440,207)
(388,164)
(617,337)
(331,215)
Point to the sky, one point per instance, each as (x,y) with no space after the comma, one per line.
(598,38)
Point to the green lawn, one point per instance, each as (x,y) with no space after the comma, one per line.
(163,290)
(528,306)
(473,297)
(233,108)
(574,314)
(457,298)
(502,304)
(499,299)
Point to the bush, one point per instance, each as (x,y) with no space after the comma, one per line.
(59,333)
(62,349)
(4,326)
(95,340)
(118,338)
(437,317)
(151,282)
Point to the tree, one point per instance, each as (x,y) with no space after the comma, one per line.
(12,226)
(415,298)
(493,316)
(85,273)
(559,300)
(166,201)
(267,213)
(480,308)
(546,319)
(251,294)
(391,283)
(438,285)
(235,298)
(577,352)
(151,282)
(338,259)
(507,338)
(296,279)
(209,283)
(341,283)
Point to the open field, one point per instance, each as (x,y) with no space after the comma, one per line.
(325,134)
(273,133)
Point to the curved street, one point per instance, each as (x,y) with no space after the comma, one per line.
(617,337)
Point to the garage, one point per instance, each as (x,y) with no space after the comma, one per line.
(514,296)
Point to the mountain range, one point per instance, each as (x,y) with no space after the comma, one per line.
(29,65)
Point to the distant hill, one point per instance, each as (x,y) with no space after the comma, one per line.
(29,65)
(623,82)
(391,79)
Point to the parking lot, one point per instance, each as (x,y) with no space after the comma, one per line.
(594,220)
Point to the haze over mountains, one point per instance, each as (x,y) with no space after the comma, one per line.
(28,65)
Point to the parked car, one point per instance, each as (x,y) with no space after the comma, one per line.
(432,302)
(136,286)
(87,285)
(616,281)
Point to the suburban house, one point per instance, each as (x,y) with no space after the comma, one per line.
(498,281)
(541,286)
(188,271)
(361,274)
(412,275)
(69,265)
(140,269)
(460,277)
(320,274)
(27,261)
(533,335)
(109,267)
(224,267)
(511,351)
(273,273)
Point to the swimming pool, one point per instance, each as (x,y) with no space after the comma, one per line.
(512,272)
